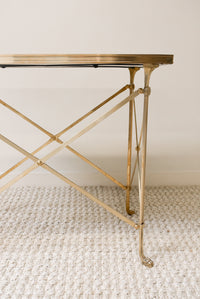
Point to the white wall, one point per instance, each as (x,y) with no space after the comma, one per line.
(55,97)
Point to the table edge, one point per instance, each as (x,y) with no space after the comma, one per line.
(83,59)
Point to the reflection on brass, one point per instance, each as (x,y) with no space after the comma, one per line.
(83,59)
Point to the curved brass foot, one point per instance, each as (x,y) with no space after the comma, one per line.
(130,212)
(146,261)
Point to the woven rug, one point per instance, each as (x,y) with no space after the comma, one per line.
(56,243)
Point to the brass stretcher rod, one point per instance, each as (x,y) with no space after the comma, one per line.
(55,137)
(138,144)
(62,177)
(86,129)
(93,124)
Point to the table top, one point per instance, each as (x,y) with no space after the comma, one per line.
(81,60)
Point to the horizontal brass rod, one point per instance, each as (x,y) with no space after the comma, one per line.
(62,177)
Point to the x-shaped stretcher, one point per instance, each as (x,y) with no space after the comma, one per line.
(134,63)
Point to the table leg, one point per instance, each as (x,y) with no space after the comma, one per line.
(147,72)
(130,134)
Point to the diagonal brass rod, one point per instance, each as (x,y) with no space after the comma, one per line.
(93,110)
(73,151)
(94,123)
(18,177)
(96,167)
(59,141)
(26,118)
(71,125)
(137,156)
(26,158)
(138,143)
(54,137)
(18,148)
(92,197)
(62,177)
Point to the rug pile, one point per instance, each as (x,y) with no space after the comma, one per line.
(56,243)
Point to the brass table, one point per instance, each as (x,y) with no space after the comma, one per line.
(134,63)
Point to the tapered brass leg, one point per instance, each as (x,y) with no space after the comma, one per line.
(147,72)
(130,132)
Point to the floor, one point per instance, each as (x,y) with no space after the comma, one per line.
(55,243)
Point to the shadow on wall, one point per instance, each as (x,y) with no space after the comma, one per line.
(83,174)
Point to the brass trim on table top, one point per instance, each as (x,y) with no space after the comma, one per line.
(94,60)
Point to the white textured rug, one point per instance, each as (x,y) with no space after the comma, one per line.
(55,243)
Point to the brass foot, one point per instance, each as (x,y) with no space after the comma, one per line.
(130,212)
(147,262)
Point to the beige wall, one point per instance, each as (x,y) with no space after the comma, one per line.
(145,26)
